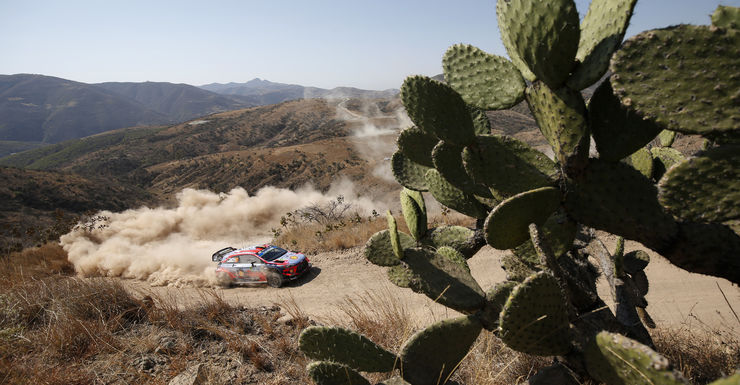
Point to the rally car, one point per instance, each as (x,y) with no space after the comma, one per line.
(259,264)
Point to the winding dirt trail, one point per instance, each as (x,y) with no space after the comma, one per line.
(676,297)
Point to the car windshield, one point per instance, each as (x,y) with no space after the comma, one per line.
(272,253)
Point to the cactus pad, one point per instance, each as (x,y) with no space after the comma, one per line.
(507,165)
(508,224)
(400,276)
(408,173)
(483,80)
(444,280)
(417,145)
(733,225)
(534,319)
(481,123)
(642,161)
(726,17)
(556,374)
(453,256)
(617,130)
(437,109)
(499,293)
(731,380)
(527,254)
(345,347)
(706,249)
(332,373)
(448,161)
(666,138)
(447,194)
(414,212)
(431,355)
(616,198)
(379,250)
(393,234)
(602,31)
(634,261)
(705,188)
(495,300)
(686,78)
(516,268)
(458,237)
(561,116)
(665,158)
(641,283)
(559,230)
(618,360)
(544,35)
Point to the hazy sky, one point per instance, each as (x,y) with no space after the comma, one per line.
(370,44)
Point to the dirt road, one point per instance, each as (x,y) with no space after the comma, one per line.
(675,298)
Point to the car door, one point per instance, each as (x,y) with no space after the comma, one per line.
(251,269)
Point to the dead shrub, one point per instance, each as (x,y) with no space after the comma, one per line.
(34,263)
(491,362)
(328,227)
(379,316)
(702,355)
(299,318)
(38,303)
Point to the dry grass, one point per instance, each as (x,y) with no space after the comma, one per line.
(384,319)
(319,238)
(57,329)
(378,315)
(491,362)
(66,330)
(701,355)
(351,232)
(34,263)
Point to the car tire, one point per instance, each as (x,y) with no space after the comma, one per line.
(274,279)
(223,280)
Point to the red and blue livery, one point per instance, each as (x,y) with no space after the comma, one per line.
(259,264)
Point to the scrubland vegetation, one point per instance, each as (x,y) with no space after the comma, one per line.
(56,328)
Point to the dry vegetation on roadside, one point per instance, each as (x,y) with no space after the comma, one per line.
(338,226)
(59,329)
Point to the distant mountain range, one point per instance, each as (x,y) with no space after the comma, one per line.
(264,92)
(36,110)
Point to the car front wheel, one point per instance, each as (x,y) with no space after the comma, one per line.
(274,279)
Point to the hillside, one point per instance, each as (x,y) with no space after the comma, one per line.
(262,92)
(36,108)
(34,202)
(284,145)
(179,102)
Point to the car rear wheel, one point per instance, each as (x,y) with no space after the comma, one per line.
(274,279)
(223,280)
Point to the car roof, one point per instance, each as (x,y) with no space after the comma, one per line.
(247,250)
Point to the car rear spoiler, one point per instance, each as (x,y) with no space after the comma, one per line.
(219,255)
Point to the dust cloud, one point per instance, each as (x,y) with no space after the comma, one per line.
(173,246)
(378,131)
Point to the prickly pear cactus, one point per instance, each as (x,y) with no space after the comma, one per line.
(683,79)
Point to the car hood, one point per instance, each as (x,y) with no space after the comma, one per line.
(290,258)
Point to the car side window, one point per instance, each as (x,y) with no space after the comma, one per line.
(234,259)
(250,259)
